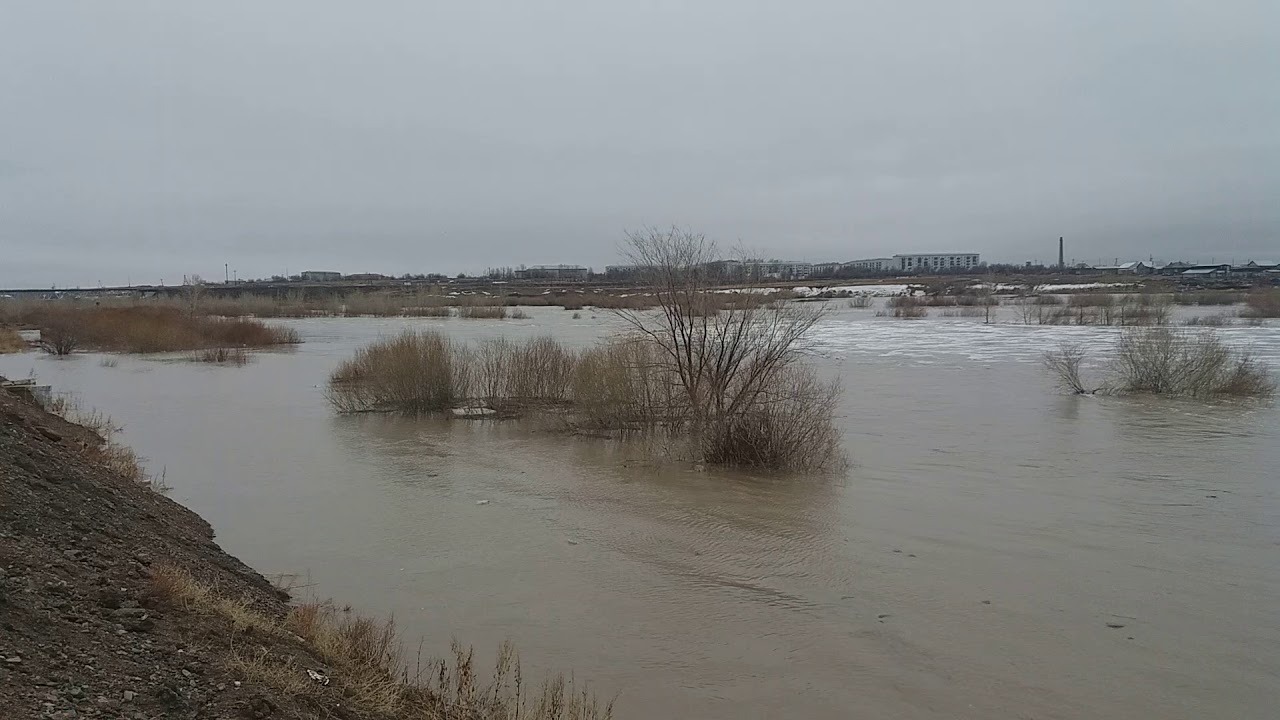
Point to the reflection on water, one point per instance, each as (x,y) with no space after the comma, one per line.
(967,565)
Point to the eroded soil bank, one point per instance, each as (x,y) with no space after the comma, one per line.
(84,632)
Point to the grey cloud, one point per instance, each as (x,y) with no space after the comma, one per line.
(147,140)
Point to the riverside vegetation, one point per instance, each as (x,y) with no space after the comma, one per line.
(1161,361)
(67,327)
(726,377)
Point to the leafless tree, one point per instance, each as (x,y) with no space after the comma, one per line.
(728,360)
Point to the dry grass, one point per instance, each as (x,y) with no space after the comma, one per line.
(11,341)
(1159,361)
(1208,321)
(112,454)
(366,654)
(66,327)
(366,664)
(1207,297)
(519,314)
(482,312)
(907,307)
(1262,304)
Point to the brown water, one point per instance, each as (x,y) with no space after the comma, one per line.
(966,566)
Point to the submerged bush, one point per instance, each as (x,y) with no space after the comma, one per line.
(413,371)
(1161,361)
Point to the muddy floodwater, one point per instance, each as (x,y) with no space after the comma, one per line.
(995,550)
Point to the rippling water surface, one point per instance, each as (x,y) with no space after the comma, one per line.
(967,566)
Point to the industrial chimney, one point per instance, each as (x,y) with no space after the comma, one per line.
(1061,259)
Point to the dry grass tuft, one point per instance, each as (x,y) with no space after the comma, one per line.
(416,372)
(115,456)
(11,341)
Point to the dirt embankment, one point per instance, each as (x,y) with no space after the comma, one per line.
(86,631)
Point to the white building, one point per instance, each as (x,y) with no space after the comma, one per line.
(936,262)
(872,264)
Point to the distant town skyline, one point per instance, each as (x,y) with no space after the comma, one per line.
(152,140)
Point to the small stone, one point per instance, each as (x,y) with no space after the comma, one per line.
(186,673)
(75,692)
(882,616)
(129,612)
(572,542)
(1115,626)
(236,683)
(13,660)
(129,695)
(222,686)
(986,602)
(482,502)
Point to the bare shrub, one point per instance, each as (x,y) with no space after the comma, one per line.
(1160,361)
(1144,309)
(518,314)
(1262,304)
(1065,364)
(221,356)
(61,339)
(729,366)
(1164,362)
(577,316)
(860,302)
(788,426)
(908,306)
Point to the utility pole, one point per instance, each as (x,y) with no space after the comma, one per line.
(226,273)
(1061,263)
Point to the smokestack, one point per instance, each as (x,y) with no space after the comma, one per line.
(1061,264)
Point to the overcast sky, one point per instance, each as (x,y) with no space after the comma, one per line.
(148,140)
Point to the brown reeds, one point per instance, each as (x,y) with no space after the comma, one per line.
(482,312)
(1207,297)
(417,372)
(11,341)
(145,329)
(1261,304)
